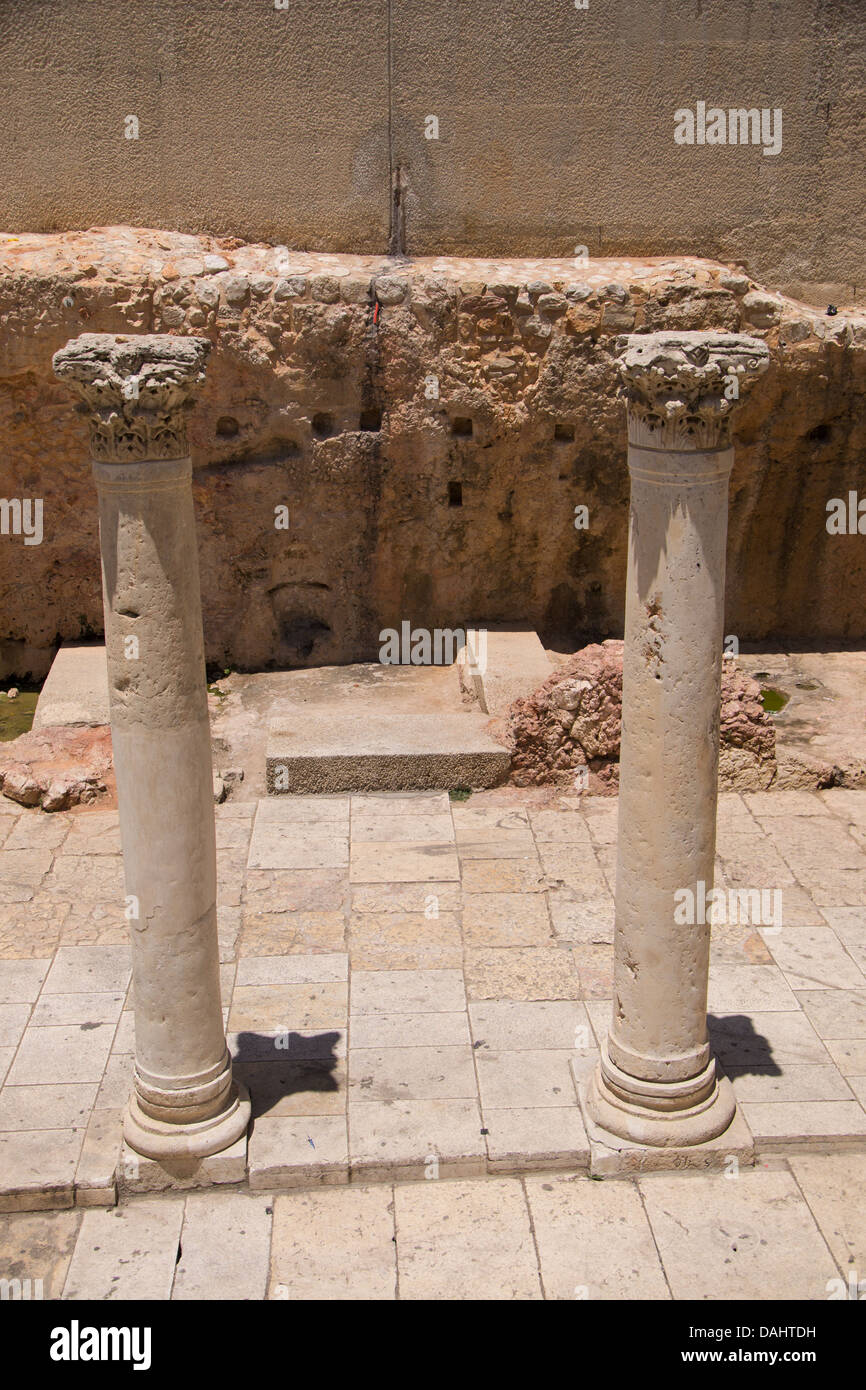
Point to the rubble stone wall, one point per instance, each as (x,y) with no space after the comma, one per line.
(381,441)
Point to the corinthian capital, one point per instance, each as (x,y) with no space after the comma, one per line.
(136,391)
(683,388)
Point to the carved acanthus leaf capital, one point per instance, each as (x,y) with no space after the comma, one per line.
(683,388)
(136,390)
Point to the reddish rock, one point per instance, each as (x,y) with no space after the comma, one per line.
(747,747)
(574,720)
(57,768)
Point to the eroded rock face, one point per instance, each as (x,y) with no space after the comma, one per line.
(379,442)
(574,720)
(57,768)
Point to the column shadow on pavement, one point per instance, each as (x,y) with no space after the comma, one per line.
(737,1045)
(277,1067)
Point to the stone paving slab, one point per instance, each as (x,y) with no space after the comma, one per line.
(788,1125)
(229,1233)
(474,1237)
(127,1253)
(506,919)
(61,1054)
(755,1238)
(313,746)
(100,1158)
(386,827)
(534,1138)
(832,1184)
(75,690)
(38,1168)
(46,1106)
(309,1086)
(402,862)
(405,941)
(526,1079)
(298,1151)
(411,1073)
(406,1139)
(785,1230)
(594,1240)
(415,1018)
(342,1242)
(410,1030)
(37,1247)
(288,1006)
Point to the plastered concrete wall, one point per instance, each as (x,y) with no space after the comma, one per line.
(263,123)
(555,126)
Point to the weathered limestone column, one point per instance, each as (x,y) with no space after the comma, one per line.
(136,390)
(656,1083)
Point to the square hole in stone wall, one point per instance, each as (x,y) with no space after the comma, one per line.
(563,434)
(370,420)
(820,434)
(323,425)
(455,494)
(462,426)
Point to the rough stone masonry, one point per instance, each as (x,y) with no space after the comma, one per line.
(381,441)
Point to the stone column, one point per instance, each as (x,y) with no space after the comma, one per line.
(656,1083)
(184,1102)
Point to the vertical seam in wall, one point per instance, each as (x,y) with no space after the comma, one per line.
(391,227)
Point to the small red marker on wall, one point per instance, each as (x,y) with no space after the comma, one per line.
(376,312)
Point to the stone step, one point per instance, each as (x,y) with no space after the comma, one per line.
(320,750)
(503,663)
(76,688)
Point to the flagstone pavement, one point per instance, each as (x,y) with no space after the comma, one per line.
(411,987)
(790,1228)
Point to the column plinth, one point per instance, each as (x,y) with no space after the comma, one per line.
(656,1083)
(136,391)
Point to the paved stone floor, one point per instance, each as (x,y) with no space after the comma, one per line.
(411,985)
(789,1229)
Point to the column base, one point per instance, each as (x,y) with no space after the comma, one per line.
(662,1129)
(160,1139)
(612,1156)
(628,1137)
(672,1115)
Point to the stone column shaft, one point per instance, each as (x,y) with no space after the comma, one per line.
(184,1101)
(656,1083)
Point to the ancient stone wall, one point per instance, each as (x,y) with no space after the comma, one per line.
(381,441)
(496,127)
